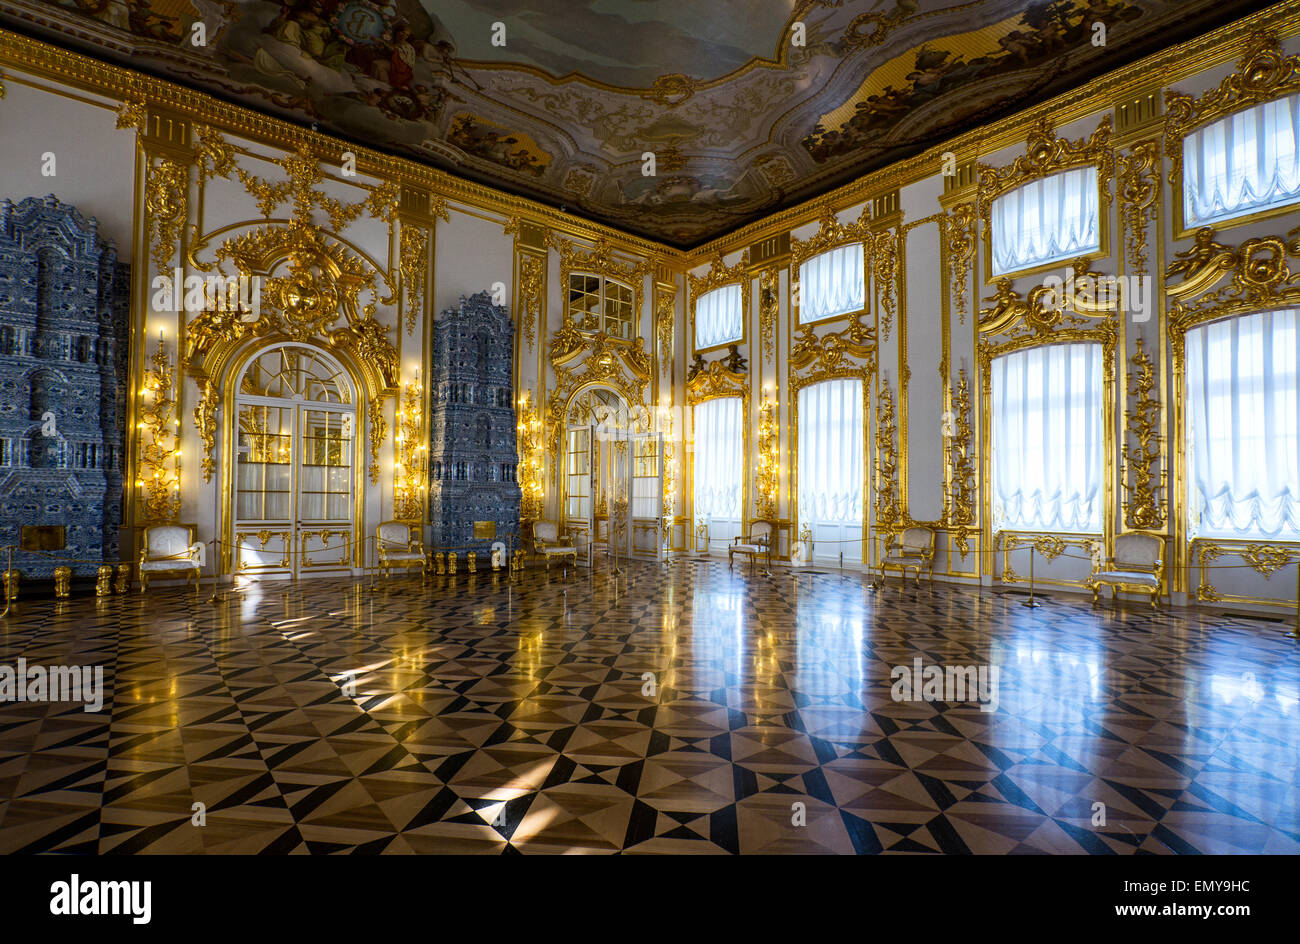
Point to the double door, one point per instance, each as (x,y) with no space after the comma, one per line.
(614,491)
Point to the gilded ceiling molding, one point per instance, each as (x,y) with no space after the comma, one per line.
(1260,276)
(888,509)
(1139,194)
(960,235)
(721,274)
(1142,476)
(1263,73)
(884,260)
(768,307)
(959,514)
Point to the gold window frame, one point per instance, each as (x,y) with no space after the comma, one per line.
(1263,74)
(717,382)
(831,235)
(1046,155)
(721,275)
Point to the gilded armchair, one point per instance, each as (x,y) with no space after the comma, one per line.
(757,541)
(1137,566)
(170,550)
(547,543)
(398,548)
(909,549)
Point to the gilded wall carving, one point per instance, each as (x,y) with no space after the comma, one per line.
(1141,473)
(1139,193)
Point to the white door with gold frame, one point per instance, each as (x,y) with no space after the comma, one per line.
(647,489)
(296,461)
(580,487)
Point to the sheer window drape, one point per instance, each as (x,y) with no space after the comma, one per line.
(1047,438)
(1045,220)
(719,458)
(830,452)
(1247,161)
(831,284)
(1243,428)
(718,317)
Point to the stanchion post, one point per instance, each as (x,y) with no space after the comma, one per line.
(9,566)
(1296,633)
(1033,551)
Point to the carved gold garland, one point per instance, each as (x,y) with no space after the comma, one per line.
(959,503)
(205,422)
(166,185)
(531,482)
(884,262)
(721,274)
(532,276)
(665,302)
(1263,73)
(768,475)
(888,508)
(1141,476)
(1139,193)
(378,431)
(413,264)
(768,308)
(960,234)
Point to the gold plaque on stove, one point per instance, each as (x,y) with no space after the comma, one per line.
(485,530)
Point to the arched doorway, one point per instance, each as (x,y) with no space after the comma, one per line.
(296,455)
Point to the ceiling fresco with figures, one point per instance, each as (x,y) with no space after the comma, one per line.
(742,117)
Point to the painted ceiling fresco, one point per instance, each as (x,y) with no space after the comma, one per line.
(559,99)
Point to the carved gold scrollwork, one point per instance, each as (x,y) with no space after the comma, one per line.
(884,262)
(205,422)
(1046,154)
(768,306)
(412,262)
(961,254)
(531,278)
(378,431)
(1139,191)
(888,509)
(166,185)
(716,380)
(665,301)
(1261,275)
(959,504)
(1141,475)
(1263,73)
(826,353)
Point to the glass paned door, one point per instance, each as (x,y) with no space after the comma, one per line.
(579,471)
(647,494)
(295,465)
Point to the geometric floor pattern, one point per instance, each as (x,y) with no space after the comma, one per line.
(461,715)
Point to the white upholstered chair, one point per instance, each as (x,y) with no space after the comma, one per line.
(909,549)
(397,547)
(757,541)
(1137,566)
(170,550)
(548,544)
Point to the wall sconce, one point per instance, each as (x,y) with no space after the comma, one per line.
(159,437)
(410,463)
(766,481)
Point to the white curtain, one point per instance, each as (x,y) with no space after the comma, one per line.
(1045,220)
(719,458)
(830,452)
(1243,162)
(718,317)
(831,284)
(1243,428)
(1047,438)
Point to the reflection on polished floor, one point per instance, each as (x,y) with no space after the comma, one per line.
(489,717)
